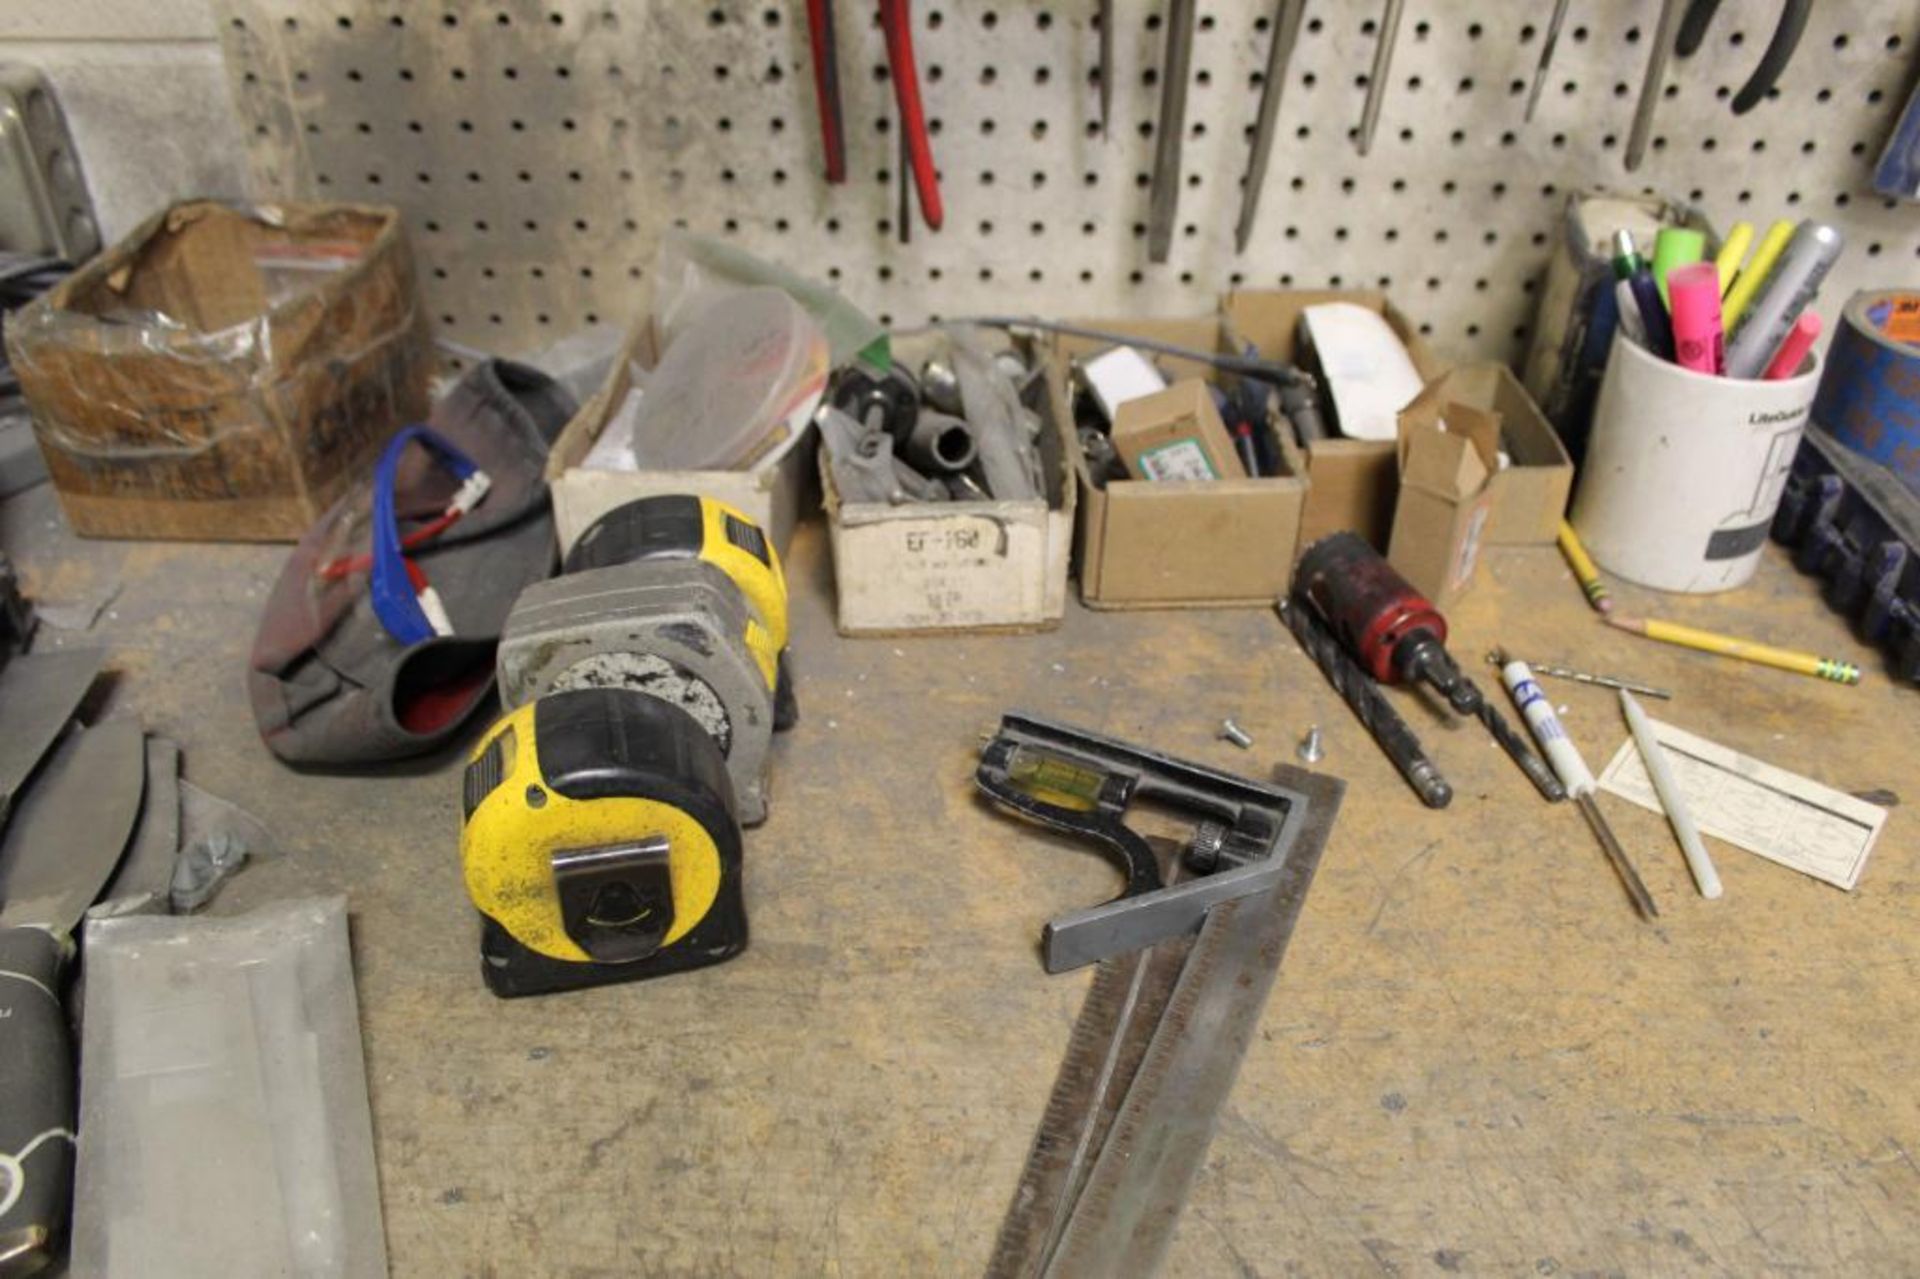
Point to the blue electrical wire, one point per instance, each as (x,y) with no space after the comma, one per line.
(390,589)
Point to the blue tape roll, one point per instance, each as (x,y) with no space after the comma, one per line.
(1869,397)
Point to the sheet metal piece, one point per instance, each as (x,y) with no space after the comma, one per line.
(38,695)
(72,826)
(1150,1063)
(141,885)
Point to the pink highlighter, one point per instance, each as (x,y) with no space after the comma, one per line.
(1794,347)
(1693,296)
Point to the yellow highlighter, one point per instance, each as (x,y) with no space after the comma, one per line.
(1733,251)
(1741,295)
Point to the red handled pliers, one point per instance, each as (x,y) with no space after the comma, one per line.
(897,25)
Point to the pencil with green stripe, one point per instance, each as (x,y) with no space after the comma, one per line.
(1584,569)
(1785,659)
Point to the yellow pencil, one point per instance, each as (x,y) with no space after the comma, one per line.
(1733,250)
(1584,569)
(1741,295)
(1785,659)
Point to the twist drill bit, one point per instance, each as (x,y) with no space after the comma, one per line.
(1372,709)
(1516,746)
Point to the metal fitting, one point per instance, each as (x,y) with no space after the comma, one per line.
(1232,732)
(1310,750)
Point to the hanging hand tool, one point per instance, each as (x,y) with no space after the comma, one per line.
(1780,49)
(1399,637)
(1546,55)
(1106,65)
(1286,32)
(1083,784)
(896,23)
(1370,706)
(1164,205)
(62,843)
(1573,771)
(1148,1067)
(826,88)
(1654,82)
(1377,79)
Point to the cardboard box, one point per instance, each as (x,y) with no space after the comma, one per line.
(225,373)
(1172,543)
(1530,493)
(773,498)
(1175,434)
(1350,483)
(1449,454)
(957,566)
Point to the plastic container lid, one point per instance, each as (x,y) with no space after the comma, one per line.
(736,386)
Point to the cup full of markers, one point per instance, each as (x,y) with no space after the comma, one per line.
(1706,394)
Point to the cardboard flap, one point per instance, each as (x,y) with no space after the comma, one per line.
(1446,447)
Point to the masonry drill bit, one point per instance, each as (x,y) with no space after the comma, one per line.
(1369,705)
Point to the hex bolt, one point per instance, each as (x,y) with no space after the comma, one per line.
(1232,732)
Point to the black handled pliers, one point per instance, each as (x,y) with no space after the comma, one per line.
(1786,38)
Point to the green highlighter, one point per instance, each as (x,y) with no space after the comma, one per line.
(1675,246)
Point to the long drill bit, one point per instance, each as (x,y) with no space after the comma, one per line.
(1369,706)
(1515,745)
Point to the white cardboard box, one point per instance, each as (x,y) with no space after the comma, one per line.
(774,498)
(950,566)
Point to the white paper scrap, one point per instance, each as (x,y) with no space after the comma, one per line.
(1782,816)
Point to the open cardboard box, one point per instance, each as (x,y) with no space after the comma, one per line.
(1178,544)
(957,566)
(1529,493)
(1352,484)
(773,498)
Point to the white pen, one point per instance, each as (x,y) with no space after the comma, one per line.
(1668,789)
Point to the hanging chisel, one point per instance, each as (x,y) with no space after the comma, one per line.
(1286,32)
(1165,203)
(1377,80)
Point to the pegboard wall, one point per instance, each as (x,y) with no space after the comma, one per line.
(539,149)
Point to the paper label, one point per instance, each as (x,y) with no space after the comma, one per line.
(1180,460)
(1903,319)
(1782,816)
(1469,553)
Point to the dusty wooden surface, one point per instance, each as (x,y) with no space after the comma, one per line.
(1476,1060)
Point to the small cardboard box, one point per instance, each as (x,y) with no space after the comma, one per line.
(1175,434)
(1448,455)
(1175,543)
(225,373)
(1351,483)
(957,566)
(1530,492)
(773,498)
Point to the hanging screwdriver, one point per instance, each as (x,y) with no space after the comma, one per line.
(1573,771)
(1377,81)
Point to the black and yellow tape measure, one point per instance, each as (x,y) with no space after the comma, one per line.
(686,526)
(600,843)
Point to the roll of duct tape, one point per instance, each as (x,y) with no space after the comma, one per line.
(1869,398)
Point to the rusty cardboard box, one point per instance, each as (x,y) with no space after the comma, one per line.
(225,373)
(1449,454)
(1177,543)
(1351,483)
(773,498)
(1530,492)
(957,566)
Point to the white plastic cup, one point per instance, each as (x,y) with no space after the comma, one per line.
(1683,470)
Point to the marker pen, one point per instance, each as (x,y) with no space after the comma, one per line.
(1653,315)
(1699,343)
(1789,289)
(1793,350)
(1626,259)
(1772,245)
(1629,312)
(1733,251)
(1673,247)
